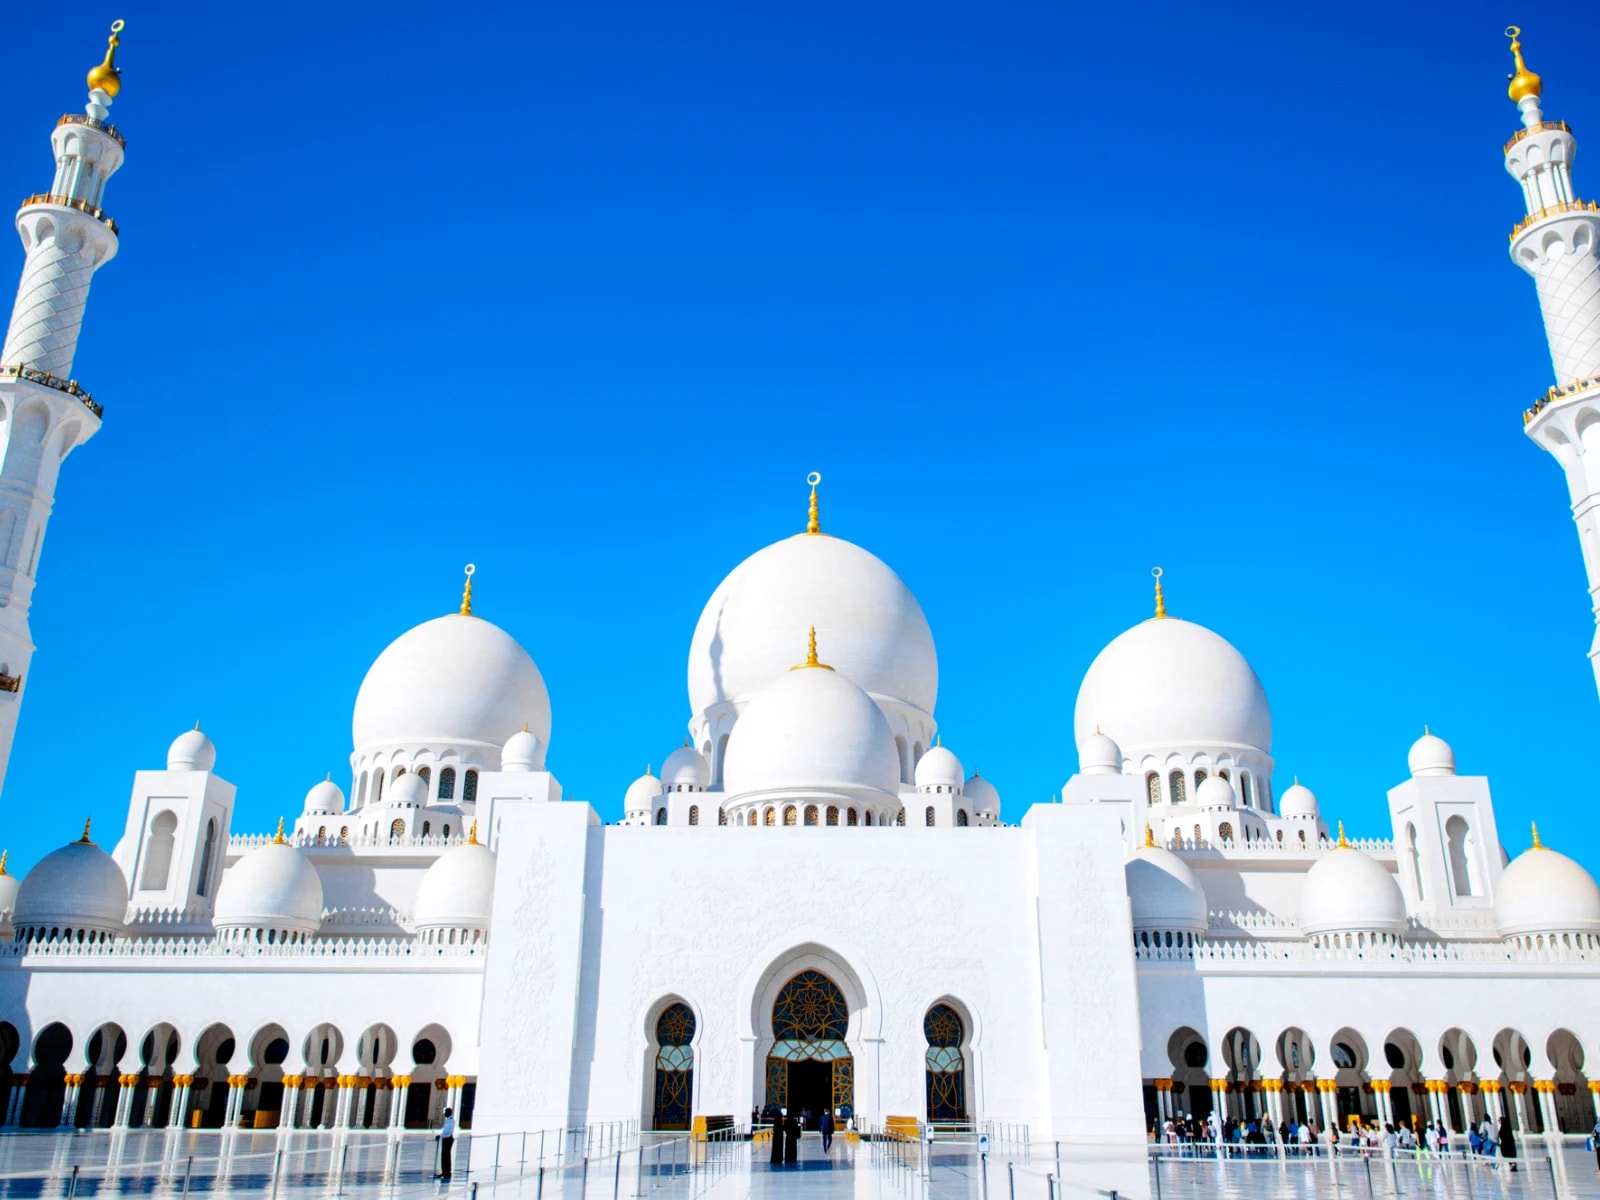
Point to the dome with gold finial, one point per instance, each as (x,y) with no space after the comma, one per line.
(106,77)
(1543,893)
(76,893)
(9,884)
(270,896)
(456,896)
(1523,81)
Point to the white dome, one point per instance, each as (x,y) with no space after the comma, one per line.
(1543,891)
(940,768)
(1298,801)
(9,884)
(686,767)
(455,680)
(982,793)
(1163,892)
(457,892)
(812,730)
(408,791)
(1214,792)
(642,794)
(76,887)
(1431,756)
(325,797)
(522,752)
(272,887)
(1351,892)
(191,751)
(867,620)
(1099,755)
(1167,684)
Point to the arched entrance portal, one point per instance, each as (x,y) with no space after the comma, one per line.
(810,1068)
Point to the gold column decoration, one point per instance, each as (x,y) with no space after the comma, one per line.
(1161,602)
(813,522)
(466,592)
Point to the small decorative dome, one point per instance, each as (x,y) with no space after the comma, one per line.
(1298,801)
(1431,756)
(982,793)
(1544,892)
(522,752)
(1163,893)
(1099,755)
(191,751)
(1351,892)
(325,797)
(939,768)
(273,890)
(9,884)
(641,795)
(1215,792)
(78,889)
(685,770)
(409,791)
(456,895)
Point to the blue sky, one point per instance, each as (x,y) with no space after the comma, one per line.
(580,293)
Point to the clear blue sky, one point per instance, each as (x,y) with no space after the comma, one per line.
(581,292)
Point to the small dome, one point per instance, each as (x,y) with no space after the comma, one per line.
(1099,755)
(523,752)
(1163,892)
(9,884)
(1347,891)
(457,892)
(78,887)
(685,767)
(325,797)
(982,793)
(641,795)
(272,887)
(191,751)
(409,791)
(940,768)
(1215,792)
(1431,756)
(812,729)
(1298,801)
(1543,891)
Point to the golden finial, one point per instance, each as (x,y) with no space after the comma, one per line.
(1149,836)
(472,835)
(1161,603)
(1537,844)
(813,523)
(106,78)
(278,838)
(466,592)
(1344,842)
(4,854)
(811,653)
(84,840)
(1523,83)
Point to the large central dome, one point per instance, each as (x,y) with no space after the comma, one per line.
(871,624)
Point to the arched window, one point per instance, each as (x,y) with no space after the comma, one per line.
(905,758)
(770,817)
(1463,870)
(1280,837)
(1247,789)
(425,829)
(158,852)
(322,833)
(946,1069)
(674,1067)
(397,829)
(869,816)
(1225,831)
(469,787)
(661,816)
(1199,837)
(1223,774)
(207,853)
(833,814)
(425,774)
(1199,776)
(809,1065)
(377,787)
(961,816)
(1152,787)
(361,791)
(791,815)
(447,784)
(694,814)
(447,831)
(811,814)
(900,817)
(722,816)
(851,816)
(399,771)
(344,834)
(1302,837)
(1175,787)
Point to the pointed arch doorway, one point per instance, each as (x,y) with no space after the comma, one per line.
(809,1068)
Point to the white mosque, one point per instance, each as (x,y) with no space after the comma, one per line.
(1176,934)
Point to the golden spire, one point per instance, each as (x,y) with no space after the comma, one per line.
(811,653)
(1161,602)
(278,839)
(1537,845)
(4,854)
(84,840)
(813,523)
(1523,83)
(1344,842)
(472,836)
(106,78)
(1149,836)
(466,592)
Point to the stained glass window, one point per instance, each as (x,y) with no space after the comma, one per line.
(425,774)
(674,1067)
(833,814)
(811,814)
(900,817)
(447,784)
(946,1069)
(791,815)
(961,816)
(1152,787)
(694,814)
(851,817)
(1225,832)
(810,1007)
(1175,785)
(1199,776)
(927,816)
(469,789)
(771,817)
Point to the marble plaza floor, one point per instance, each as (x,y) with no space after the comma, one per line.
(374,1166)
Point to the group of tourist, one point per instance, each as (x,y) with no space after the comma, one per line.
(1233,1138)
(788,1129)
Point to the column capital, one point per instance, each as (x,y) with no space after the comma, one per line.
(1594,1086)
(1382,1086)
(1519,1086)
(1489,1087)
(183,1080)
(1544,1085)
(293,1081)
(404,1081)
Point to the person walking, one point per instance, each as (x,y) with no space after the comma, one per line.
(447,1143)
(826,1125)
(777,1138)
(1508,1141)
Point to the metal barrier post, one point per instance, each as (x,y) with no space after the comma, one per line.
(522,1160)
(1551,1167)
(1011,1170)
(1050,1181)
(616,1178)
(474,1190)
(344,1155)
(983,1163)
(72,1184)
(186,1172)
(1156,1163)
(538,1190)
(277,1166)
(640,1168)
(1366,1161)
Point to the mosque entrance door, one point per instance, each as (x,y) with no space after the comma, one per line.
(810,1066)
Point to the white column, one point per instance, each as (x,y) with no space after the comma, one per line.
(1491,1100)
(126,1085)
(19,1089)
(397,1106)
(69,1102)
(178,1118)
(289,1114)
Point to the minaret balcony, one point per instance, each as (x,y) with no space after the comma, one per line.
(1559,393)
(83,206)
(69,386)
(1540,214)
(112,132)
(1541,127)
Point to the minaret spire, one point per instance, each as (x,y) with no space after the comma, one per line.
(813,521)
(466,592)
(67,236)
(1557,243)
(1161,601)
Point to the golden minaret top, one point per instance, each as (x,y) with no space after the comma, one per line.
(1524,82)
(105,77)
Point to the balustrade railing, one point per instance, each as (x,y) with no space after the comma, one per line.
(83,206)
(1541,127)
(111,131)
(1559,392)
(69,386)
(1552,210)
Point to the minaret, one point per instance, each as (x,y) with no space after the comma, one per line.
(66,237)
(1557,244)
